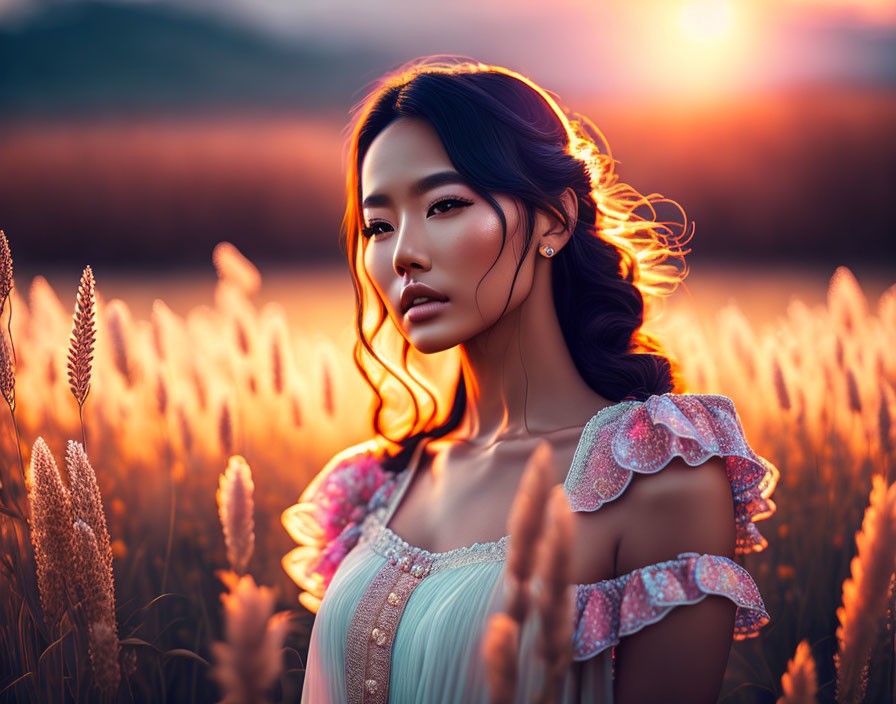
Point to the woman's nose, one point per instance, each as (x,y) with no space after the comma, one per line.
(411,249)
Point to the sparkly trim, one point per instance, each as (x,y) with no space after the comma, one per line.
(385,542)
(326,522)
(609,610)
(645,436)
(371,634)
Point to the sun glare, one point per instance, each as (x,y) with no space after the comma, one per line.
(706,21)
(707,51)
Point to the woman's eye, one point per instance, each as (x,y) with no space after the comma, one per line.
(446,204)
(379,227)
(375,228)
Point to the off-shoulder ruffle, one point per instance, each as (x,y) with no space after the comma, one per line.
(645,436)
(614,608)
(326,522)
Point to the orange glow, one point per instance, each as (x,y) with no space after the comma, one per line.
(711,48)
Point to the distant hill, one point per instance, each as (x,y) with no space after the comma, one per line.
(73,59)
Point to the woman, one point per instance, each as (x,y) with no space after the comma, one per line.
(485,224)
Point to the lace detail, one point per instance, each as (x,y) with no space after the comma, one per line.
(645,436)
(326,522)
(384,541)
(614,608)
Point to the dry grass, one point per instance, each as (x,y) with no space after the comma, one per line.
(248,661)
(866,592)
(799,682)
(172,397)
(815,394)
(236,509)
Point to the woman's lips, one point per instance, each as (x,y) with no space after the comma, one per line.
(424,311)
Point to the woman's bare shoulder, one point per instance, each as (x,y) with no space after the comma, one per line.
(681,509)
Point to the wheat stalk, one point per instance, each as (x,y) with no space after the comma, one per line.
(235,507)
(884,419)
(250,659)
(865,591)
(233,268)
(277,365)
(51,526)
(326,376)
(780,384)
(6,284)
(5,268)
(103,648)
(96,590)
(501,646)
(525,524)
(8,363)
(80,350)
(225,428)
(852,388)
(7,374)
(87,502)
(161,394)
(556,599)
(500,649)
(117,324)
(800,682)
(186,434)
(8,389)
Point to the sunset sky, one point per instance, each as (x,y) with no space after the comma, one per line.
(655,47)
(184,122)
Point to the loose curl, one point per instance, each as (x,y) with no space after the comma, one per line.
(506,135)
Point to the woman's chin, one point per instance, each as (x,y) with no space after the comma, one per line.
(427,345)
(431,341)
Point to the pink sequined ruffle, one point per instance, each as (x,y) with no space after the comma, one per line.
(612,609)
(644,437)
(326,521)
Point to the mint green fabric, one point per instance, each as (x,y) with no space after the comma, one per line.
(436,653)
(436,648)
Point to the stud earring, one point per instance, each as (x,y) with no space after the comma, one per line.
(547,250)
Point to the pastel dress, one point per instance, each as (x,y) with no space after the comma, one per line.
(396,623)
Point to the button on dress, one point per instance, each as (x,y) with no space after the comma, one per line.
(396,623)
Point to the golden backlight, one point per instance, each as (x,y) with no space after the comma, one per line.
(706,21)
(697,48)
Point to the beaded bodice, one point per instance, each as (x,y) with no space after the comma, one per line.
(384,541)
(350,503)
(387,543)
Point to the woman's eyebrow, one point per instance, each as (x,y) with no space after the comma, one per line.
(427,183)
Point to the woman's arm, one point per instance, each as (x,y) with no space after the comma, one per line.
(682,657)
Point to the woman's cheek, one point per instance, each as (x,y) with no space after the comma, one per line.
(477,240)
(378,265)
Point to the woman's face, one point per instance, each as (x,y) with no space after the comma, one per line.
(421,223)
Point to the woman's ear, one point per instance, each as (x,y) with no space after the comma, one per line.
(571,206)
(558,234)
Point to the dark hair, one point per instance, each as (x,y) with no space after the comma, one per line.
(506,135)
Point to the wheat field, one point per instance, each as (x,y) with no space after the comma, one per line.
(201,427)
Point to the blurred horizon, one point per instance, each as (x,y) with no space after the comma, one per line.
(139,133)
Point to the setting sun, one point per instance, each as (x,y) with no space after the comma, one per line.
(706,21)
(698,48)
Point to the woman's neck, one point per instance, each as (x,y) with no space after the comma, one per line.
(521,380)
